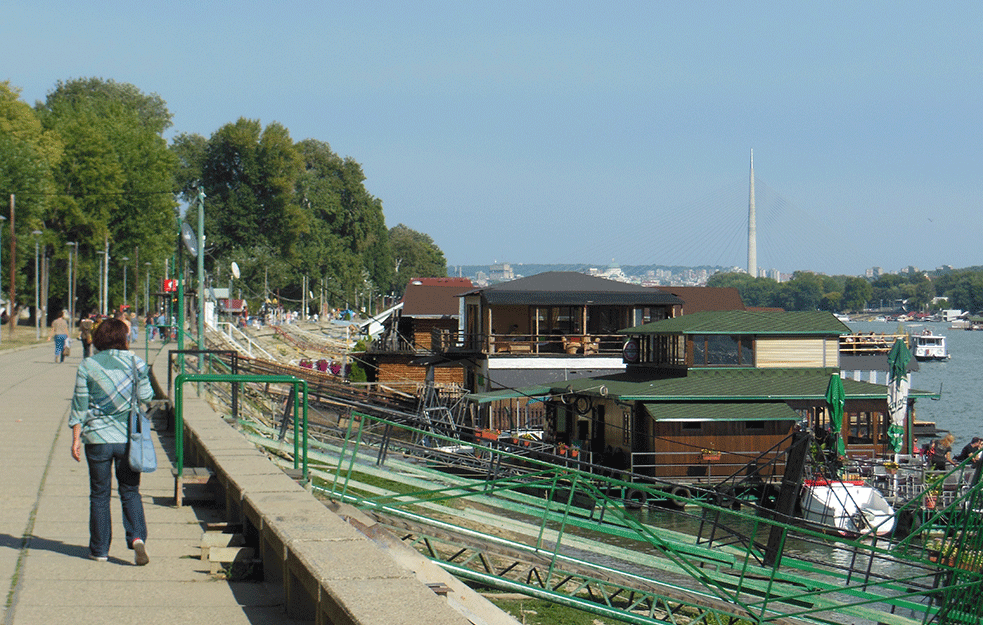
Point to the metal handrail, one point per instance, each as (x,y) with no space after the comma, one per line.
(300,426)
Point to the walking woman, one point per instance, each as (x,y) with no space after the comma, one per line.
(100,420)
(59,331)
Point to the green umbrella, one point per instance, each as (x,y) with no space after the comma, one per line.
(897,392)
(836,398)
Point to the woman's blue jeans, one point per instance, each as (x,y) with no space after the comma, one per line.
(100,458)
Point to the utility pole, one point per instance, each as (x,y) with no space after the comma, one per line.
(13,269)
(105,277)
(37,311)
(201,268)
(2,219)
(72,245)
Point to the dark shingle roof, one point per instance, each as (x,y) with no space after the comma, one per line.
(569,288)
(735,411)
(768,322)
(725,384)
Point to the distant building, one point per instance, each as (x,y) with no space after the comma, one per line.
(501,272)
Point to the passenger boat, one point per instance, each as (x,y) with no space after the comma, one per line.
(846,507)
(928,346)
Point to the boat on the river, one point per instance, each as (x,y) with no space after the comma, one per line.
(929,346)
(846,507)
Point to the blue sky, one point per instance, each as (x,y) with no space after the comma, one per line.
(584,132)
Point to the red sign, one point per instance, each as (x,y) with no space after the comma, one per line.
(170,286)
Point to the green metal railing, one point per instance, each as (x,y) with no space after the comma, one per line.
(731,571)
(299,401)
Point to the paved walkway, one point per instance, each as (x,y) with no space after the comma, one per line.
(44,534)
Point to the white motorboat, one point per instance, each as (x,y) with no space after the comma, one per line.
(928,346)
(848,508)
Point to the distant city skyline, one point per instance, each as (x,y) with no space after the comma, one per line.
(571,133)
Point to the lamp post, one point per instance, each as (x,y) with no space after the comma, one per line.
(100,253)
(37,310)
(9,312)
(72,252)
(146,292)
(126,260)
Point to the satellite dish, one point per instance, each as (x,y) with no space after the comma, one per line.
(235,270)
(190,242)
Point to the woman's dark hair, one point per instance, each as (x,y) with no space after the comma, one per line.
(111,334)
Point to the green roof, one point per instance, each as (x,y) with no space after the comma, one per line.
(725,384)
(733,411)
(509,393)
(758,322)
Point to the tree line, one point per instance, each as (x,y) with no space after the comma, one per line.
(915,291)
(90,166)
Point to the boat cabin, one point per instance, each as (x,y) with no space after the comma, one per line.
(548,327)
(715,393)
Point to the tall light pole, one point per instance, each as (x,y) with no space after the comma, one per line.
(9,312)
(146,292)
(72,247)
(126,260)
(37,299)
(101,307)
(201,268)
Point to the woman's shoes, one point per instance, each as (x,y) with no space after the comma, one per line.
(141,552)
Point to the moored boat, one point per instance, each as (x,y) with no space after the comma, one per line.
(929,346)
(848,508)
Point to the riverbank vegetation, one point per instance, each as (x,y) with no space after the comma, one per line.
(913,291)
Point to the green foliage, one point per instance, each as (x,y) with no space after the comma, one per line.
(114,178)
(416,256)
(27,154)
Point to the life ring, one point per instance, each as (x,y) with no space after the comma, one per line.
(582,405)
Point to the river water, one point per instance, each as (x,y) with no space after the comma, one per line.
(959,378)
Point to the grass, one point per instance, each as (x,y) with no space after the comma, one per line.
(23,336)
(539,612)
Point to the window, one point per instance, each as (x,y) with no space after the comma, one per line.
(722,350)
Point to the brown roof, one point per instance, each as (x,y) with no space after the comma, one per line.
(434,297)
(700,298)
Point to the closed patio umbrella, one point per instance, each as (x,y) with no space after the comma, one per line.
(836,398)
(897,392)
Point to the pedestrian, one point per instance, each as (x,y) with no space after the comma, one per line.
(86,325)
(100,419)
(59,332)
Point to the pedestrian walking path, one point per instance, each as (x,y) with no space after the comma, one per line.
(45,574)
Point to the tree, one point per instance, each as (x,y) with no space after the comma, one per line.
(856,294)
(114,182)
(28,153)
(415,255)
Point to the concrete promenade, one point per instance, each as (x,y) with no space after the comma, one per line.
(45,574)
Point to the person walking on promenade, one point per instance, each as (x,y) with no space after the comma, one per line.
(59,332)
(100,419)
(85,335)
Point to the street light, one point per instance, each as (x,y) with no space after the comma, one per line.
(37,318)
(126,260)
(146,293)
(72,251)
(102,309)
(2,219)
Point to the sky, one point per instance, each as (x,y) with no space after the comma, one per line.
(583,132)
